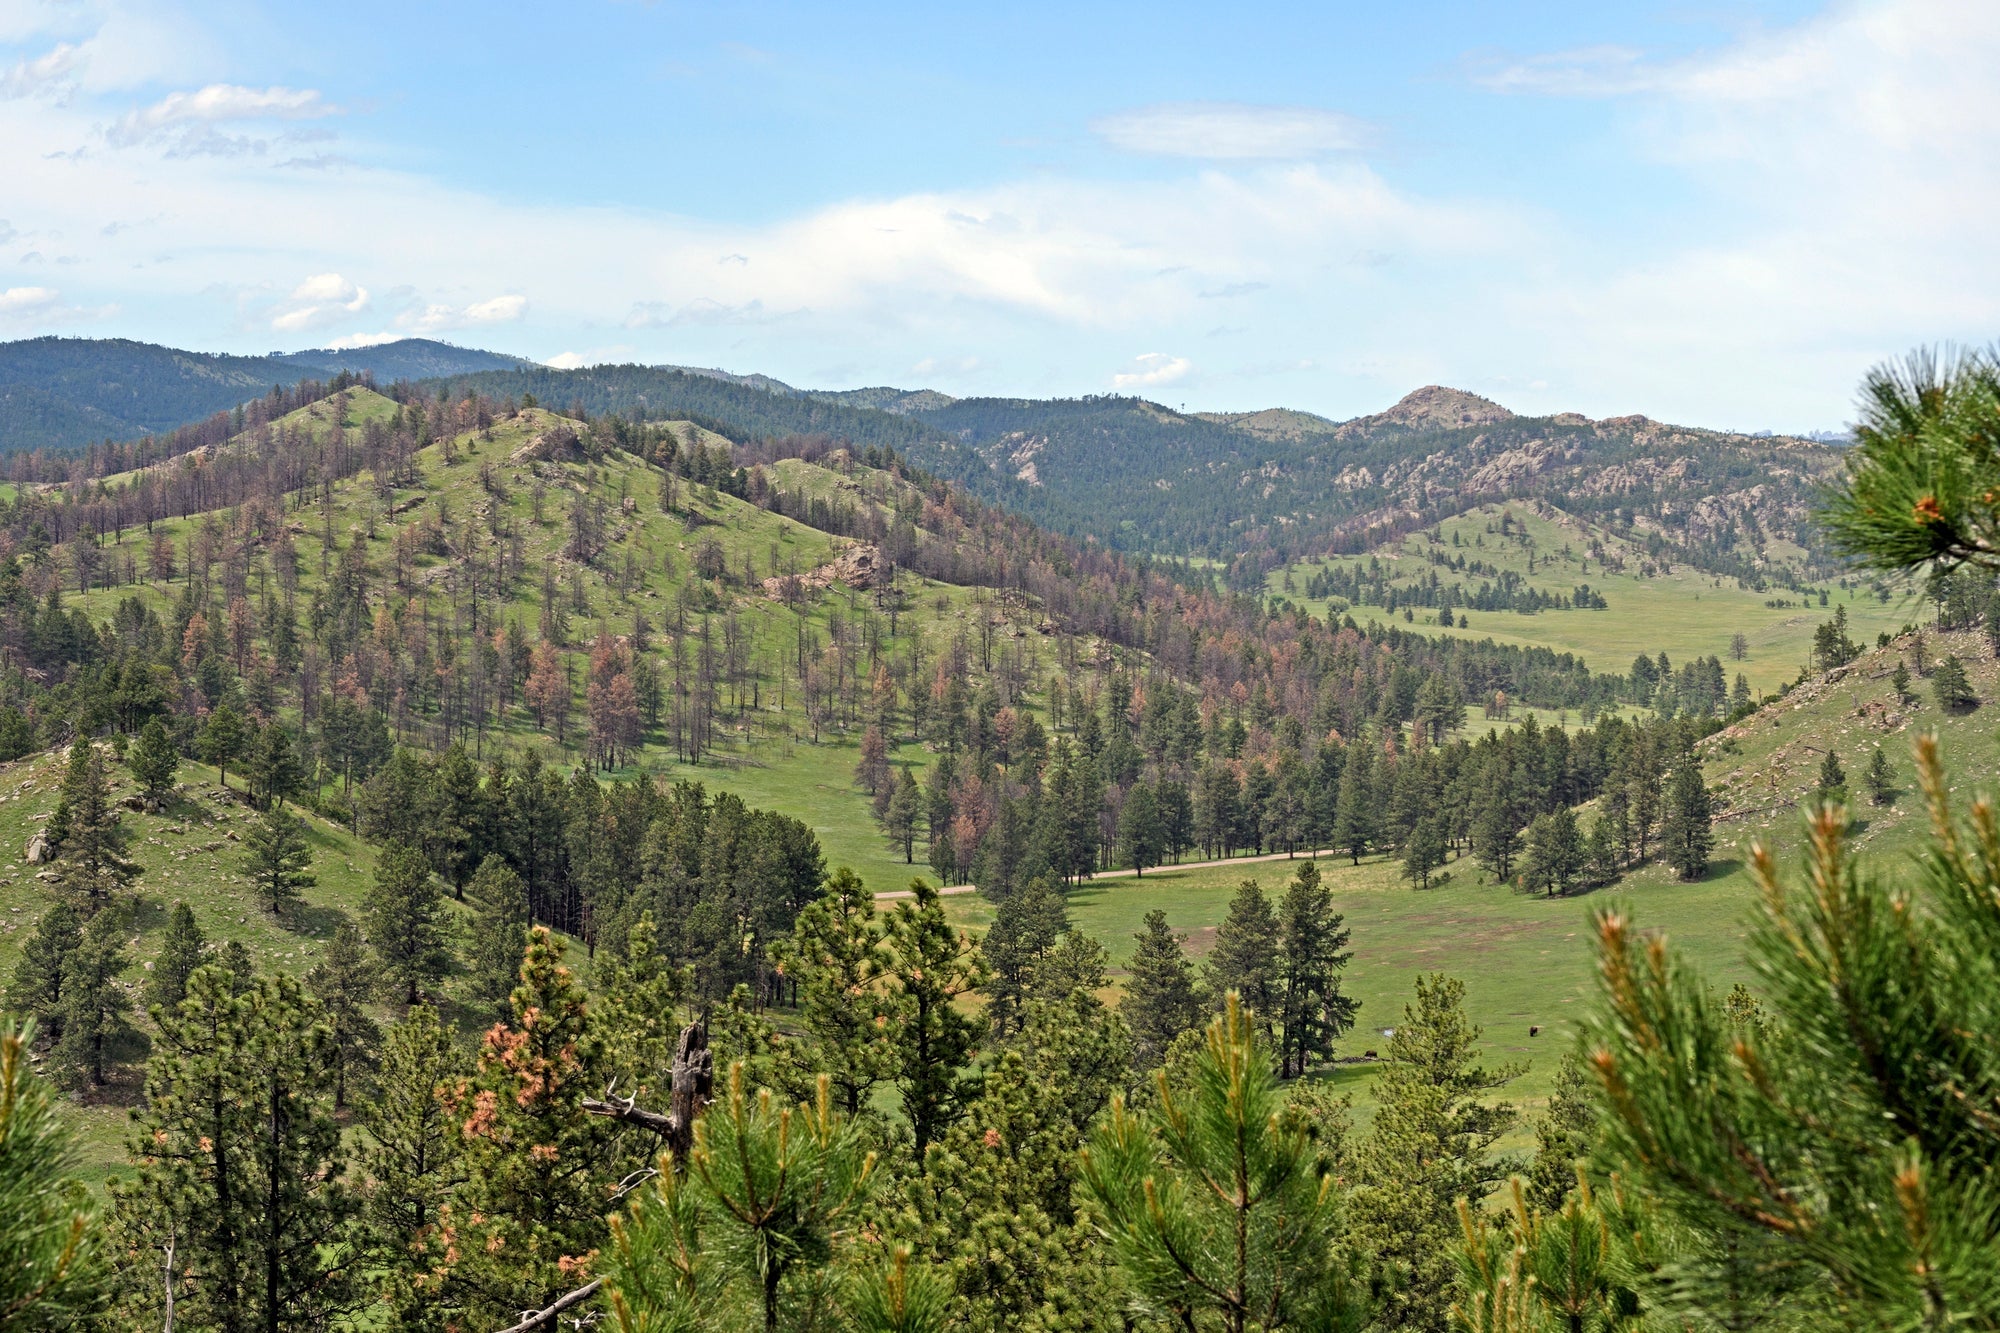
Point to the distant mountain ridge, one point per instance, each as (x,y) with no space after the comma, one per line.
(64,393)
(1249,489)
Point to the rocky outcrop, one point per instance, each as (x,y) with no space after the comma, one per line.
(857,567)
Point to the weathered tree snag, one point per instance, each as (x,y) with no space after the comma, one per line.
(538,1318)
(693,1089)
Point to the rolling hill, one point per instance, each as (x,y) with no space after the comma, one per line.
(62,393)
(1248,492)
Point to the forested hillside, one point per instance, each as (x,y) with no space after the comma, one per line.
(473,792)
(60,394)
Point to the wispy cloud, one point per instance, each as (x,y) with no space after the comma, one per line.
(1591,71)
(190,122)
(1233,131)
(36,74)
(1152,369)
(324,298)
(18,301)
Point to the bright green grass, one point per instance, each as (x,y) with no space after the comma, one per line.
(200,866)
(1528,961)
(768,754)
(1685,614)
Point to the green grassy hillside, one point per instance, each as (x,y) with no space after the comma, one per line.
(1527,961)
(1654,605)
(190,852)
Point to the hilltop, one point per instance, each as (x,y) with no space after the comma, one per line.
(1251,491)
(61,393)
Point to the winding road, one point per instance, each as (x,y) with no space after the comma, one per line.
(1127,874)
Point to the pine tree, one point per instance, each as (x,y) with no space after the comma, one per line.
(1899,681)
(766,1219)
(1832,787)
(1556,852)
(928,967)
(1953,690)
(1424,852)
(271,766)
(1312,953)
(1431,1145)
(1245,957)
(1881,779)
(240,1163)
(278,859)
(1778,1148)
(1219,1208)
(86,835)
(1026,925)
(343,981)
(51,1269)
(905,805)
(1604,850)
(405,914)
(154,761)
(638,1021)
(1354,818)
(1686,836)
(181,952)
(221,739)
(1161,999)
(234,959)
(995,1211)
(1564,1133)
(1139,829)
(533,1200)
(1496,831)
(95,1008)
(37,985)
(498,933)
(1568,1267)
(1077,1048)
(411,1153)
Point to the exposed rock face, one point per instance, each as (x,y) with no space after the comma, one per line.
(1434,407)
(553,445)
(857,567)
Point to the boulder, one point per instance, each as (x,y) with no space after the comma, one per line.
(38,848)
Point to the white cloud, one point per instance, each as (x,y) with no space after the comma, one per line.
(567,361)
(189,121)
(1856,159)
(1592,71)
(31,75)
(1233,131)
(19,301)
(438,316)
(1152,370)
(498,310)
(352,341)
(322,299)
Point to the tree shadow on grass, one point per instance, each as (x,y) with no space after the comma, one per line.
(316,921)
(1719,868)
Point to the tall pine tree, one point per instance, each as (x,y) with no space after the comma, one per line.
(1161,998)
(240,1162)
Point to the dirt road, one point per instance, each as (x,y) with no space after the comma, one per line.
(1127,874)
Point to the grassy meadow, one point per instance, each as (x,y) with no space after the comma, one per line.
(1685,613)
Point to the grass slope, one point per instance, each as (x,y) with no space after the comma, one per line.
(190,853)
(1527,961)
(1684,612)
(770,756)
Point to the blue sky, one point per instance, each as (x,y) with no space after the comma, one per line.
(1715,214)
